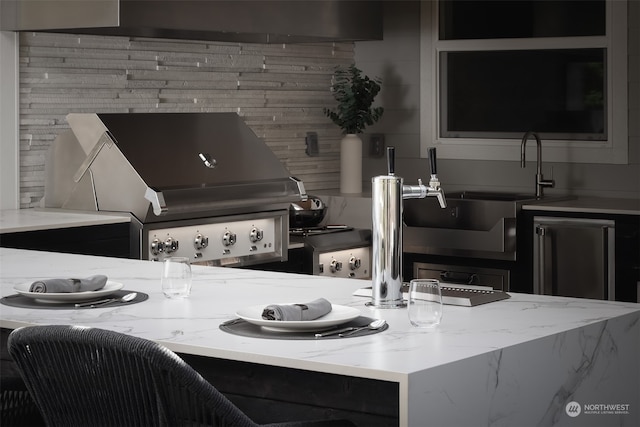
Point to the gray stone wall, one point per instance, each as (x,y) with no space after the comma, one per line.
(279,90)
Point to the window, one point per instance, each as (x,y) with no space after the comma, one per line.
(492,70)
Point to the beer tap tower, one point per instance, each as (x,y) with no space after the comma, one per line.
(388,192)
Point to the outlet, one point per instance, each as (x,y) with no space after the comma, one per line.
(376,145)
(312,144)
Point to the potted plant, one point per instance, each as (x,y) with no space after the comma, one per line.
(355,93)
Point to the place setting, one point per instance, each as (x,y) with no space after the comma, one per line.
(91,292)
(317,319)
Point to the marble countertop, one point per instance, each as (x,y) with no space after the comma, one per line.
(401,354)
(19,220)
(191,325)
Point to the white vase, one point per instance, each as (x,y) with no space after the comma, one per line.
(351,164)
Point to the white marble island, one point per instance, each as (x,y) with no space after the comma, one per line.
(513,362)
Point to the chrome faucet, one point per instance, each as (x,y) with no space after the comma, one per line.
(388,191)
(540,181)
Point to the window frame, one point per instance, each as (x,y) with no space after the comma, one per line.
(613,150)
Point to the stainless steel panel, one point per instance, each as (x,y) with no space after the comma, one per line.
(35,15)
(474,224)
(165,148)
(574,257)
(160,166)
(352,263)
(498,242)
(202,240)
(261,21)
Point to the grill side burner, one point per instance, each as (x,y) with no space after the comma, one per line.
(334,251)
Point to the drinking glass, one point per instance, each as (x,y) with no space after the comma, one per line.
(425,303)
(176,277)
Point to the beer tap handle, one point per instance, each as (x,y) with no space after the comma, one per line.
(391,160)
(432,160)
(434,184)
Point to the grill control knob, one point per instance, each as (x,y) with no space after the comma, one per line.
(170,245)
(354,263)
(255,235)
(228,238)
(335,266)
(200,241)
(157,247)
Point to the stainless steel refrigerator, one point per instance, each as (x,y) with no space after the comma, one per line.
(574,257)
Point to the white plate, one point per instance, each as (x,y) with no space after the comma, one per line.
(338,314)
(108,289)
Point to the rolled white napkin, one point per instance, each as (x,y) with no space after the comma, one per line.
(296,312)
(92,283)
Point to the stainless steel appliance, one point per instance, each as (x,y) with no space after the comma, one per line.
(333,251)
(574,257)
(200,185)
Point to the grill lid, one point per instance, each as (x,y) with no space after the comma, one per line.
(166,165)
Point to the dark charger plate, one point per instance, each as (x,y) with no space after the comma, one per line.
(246,329)
(22,301)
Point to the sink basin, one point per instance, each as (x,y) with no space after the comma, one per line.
(467,210)
(474,224)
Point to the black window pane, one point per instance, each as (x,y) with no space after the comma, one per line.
(521,18)
(502,94)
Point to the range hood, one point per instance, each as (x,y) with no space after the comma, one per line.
(247,21)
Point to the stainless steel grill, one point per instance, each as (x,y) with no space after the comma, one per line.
(201,185)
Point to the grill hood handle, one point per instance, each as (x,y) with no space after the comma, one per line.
(301,190)
(157,201)
(104,140)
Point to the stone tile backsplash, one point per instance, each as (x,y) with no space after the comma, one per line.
(279,90)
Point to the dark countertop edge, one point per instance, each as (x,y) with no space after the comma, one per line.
(600,205)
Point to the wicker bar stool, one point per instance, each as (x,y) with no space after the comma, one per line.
(89,377)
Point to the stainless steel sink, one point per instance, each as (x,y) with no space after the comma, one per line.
(474,224)
(469,210)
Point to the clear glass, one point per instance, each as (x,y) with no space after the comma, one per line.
(176,277)
(559,93)
(464,20)
(425,303)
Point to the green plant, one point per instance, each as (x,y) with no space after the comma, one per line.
(355,94)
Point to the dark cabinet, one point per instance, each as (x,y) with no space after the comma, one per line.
(106,240)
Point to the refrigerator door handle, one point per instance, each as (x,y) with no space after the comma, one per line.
(539,283)
(608,254)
